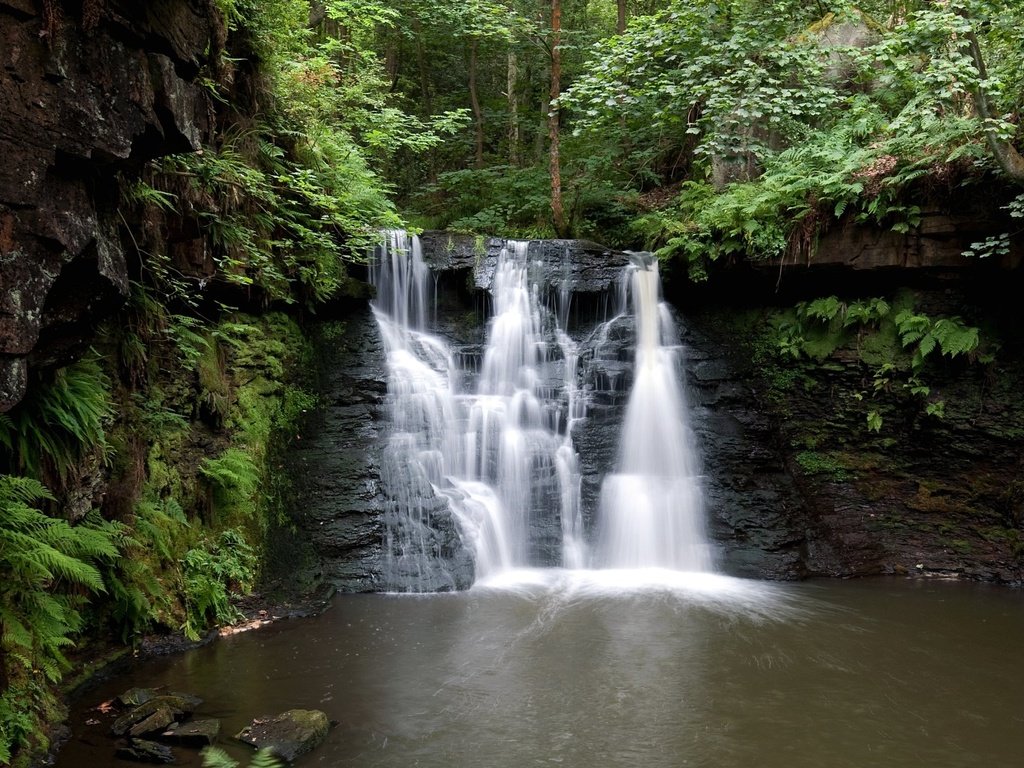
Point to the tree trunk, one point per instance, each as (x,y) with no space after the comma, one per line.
(542,129)
(317,13)
(421,65)
(513,108)
(557,208)
(478,115)
(391,61)
(1007,156)
(620,24)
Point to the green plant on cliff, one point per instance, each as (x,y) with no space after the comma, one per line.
(234,479)
(213,572)
(58,423)
(47,567)
(291,196)
(950,335)
(893,344)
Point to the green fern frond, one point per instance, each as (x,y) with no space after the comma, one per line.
(59,422)
(955,338)
(45,563)
(265,759)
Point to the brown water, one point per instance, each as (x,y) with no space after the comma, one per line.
(553,669)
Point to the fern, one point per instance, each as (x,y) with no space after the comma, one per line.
(212,572)
(948,334)
(825,310)
(234,478)
(158,524)
(47,566)
(955,338)
(17,721)
(58,423)
(214,757)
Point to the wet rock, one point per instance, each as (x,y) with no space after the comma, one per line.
(288,735)
(174,706)
(196,733)
(80,107)
(144,751)
(755,514)
(336,466)
(154,723)
(136,697)
(580,266)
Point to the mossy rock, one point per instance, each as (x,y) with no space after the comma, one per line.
(288,735)
(175,705)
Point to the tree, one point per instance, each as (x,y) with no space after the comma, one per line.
(555,163)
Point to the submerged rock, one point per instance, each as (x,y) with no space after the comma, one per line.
(288,735)
(197,733)
(143,751)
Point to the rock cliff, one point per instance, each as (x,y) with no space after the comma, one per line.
(88,92)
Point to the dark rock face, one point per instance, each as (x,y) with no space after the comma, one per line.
(80,106)
(938,243)
(336,466)
(755,514)
(581,265)
(827,496)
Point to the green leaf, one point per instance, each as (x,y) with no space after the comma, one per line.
(874,421)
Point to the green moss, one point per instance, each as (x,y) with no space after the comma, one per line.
(829,464)
(882,345)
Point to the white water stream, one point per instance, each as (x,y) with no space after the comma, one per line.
(498,454)
(651,513)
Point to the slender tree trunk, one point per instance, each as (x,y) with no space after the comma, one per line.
(391,60)
(542,128)
(421,65)
(620,24)
(513,108)
(478,115)
(554,162)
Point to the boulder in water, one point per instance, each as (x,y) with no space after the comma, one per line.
(173,705)
(154,723)
(288,735)
(136,697)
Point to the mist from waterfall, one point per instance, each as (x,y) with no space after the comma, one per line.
(490,451)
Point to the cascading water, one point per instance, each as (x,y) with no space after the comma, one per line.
(484,462)
(651,506)
(498,460)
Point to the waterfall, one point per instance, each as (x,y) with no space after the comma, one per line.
(480,470)
(496,457)
(651,507)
